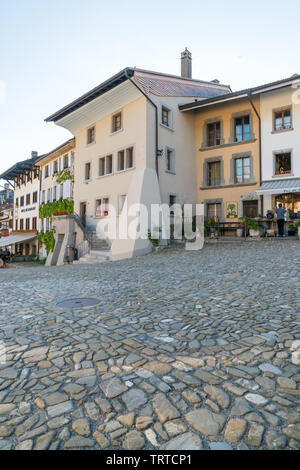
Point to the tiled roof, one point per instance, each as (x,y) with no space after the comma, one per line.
(168,86)
(284,185)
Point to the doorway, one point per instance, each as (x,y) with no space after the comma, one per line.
(250,209)
(83,213)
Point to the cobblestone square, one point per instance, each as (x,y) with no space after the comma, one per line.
(185,350)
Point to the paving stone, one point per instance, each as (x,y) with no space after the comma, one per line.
(207,423)
(255,435)
(126,420)
(134,399)
(292,431)
(134,440)
(235,429)
(80,443)
(187,441)
(60,409)
(113,388)
(164,409)
(81,427)
(275,441)
(220,446)
(143,422)
(256,399)
(217,395)
(175,427)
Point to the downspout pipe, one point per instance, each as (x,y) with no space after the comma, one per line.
(156,119)
(260,142)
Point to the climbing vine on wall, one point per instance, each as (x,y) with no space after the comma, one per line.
(63,205)
(64,175)
(48,240)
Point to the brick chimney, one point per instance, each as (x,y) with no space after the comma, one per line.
(186,64)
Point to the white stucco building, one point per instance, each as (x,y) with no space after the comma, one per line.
(280,145)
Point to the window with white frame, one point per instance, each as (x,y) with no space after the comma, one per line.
(102,166)
(166,117)
(129,158)
(102,207)
(66,161)
(87,171)
(121,160)
(91,135)
(117,122)
(109,164)
(170,160)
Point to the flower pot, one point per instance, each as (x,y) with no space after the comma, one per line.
(239,232)
(254,233)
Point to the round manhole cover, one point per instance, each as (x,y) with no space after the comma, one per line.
(77,303)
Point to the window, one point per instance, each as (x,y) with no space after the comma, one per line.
(101,166)
(35,197)
(102,207)
(170,160)
(27,224)
(46,171)
(242,170)
(17,224)
(129,158)
(48,195)
(165,116)
(22,201)
(34,223)
(242,129)
(213,134)
(214,211)
(283,164)
(54,193)
(43,196)
(283,120)
(121,160)
(35,173)
(21,224)
(87,175)
(61,191)
(91,135)
(117,122)
(66,162)
(55,167)
(17,202)
(109,167)
(27,199)
(214,174)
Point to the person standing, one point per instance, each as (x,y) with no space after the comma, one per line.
(280,216)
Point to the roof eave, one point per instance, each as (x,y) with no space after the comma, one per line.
(91,95)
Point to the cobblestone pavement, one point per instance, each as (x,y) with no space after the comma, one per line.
(184,351)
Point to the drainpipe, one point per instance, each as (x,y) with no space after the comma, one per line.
(260,146)
(157,153)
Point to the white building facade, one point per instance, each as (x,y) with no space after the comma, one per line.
(280,147)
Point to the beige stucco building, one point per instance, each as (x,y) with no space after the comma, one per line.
(130,123)
(227,151)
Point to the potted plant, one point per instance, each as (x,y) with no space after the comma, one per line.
(240,231)
(212,226)
(253,226)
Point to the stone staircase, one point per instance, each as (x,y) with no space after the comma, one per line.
(99,251)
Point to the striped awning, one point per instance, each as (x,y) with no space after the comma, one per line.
(280,186)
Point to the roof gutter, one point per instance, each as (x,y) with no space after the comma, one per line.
(157,153)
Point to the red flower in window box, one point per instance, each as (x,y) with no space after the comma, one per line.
(60,213)
(105,213)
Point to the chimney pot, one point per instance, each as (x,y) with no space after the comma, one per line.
(186,64)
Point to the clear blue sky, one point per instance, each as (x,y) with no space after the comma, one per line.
(52,51)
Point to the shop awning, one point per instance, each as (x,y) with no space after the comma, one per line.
(13,239)
(280,186)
